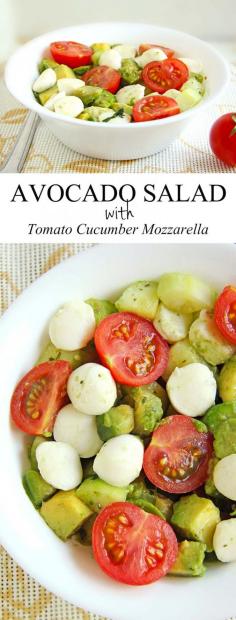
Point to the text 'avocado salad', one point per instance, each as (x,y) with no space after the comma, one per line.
(132,409)
(117,83)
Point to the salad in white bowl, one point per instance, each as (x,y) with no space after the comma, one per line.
(132,405)
(117,83)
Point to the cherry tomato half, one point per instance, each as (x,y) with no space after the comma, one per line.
(153,107)
(177,458)
(39,396)
(103,76)
(148,46)
(223,138)
(160,76)
(133,546)
(225,313)
(71,53)
(131,348)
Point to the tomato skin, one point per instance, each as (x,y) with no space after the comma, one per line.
(127,559)
(71,53)
(42,389)
(148,46)
(103,76)
(176,440)
(223,138)
(225,313)
(154,107)
(128,355)
(166,74)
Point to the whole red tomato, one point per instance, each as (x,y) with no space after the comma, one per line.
(223,138)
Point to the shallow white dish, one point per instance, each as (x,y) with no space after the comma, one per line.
(101,139)
(63,569)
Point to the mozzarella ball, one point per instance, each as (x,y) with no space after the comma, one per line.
(125,51)
(72,326)
(192,389)
(194,66)
(224,541)
(171,325)
(46,80)
(69,86)
(69,106)
(78,430)
(120,460)
(224,476)
(59,464)
(92,389)
(130,94)
(50,103)
(150,55)
(110,58)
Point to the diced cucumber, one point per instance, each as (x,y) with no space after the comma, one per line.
(183,292)
(141,298)
(76,358)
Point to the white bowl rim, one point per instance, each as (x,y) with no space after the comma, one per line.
(43,112)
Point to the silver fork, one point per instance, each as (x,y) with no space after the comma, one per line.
(15,161)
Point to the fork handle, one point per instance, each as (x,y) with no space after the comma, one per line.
(17,157)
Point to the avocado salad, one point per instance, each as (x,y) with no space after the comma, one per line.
(117,83)
(131,413)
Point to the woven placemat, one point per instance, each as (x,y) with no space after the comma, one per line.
(21,597)
(190,153)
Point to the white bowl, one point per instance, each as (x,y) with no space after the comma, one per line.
(101,139)
(65,570)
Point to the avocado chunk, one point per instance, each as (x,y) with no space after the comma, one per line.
(148,507)
(209,486)
(139,492)
(196,518)
(225,438)
(219,413)
(88,94)
(189,562)
(47,63)
(62,71)
(65,513)
(101,308)
(140,298)
(147,413)
(87,466)
(47,94)
(105,99)
(32,451)
(96,493)
(36,488)
(84,534)
(81,70)
(76,358)
(205,337)
(130,71)
(227,380)
(122,107)
(117,421)
(180,354)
